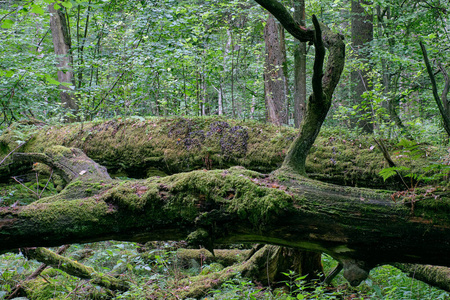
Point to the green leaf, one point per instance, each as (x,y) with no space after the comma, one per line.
(67,5)
(7,24)
(36,9)
(67,84)
(387,172)
(56,6)
(50,80)
(9,73)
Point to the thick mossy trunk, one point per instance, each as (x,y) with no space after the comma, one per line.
(361,228)
(157,147)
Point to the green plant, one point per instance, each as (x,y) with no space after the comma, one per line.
(410,152)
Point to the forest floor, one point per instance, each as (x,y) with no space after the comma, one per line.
(157,272)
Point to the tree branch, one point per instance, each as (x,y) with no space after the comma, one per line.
(445,117)
(280,12)
(320,101)
(74,268)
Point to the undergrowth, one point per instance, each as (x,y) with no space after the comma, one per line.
(154,272)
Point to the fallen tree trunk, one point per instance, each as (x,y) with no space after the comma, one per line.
(75,269)
(35,274)
(361,228)
(225,257)
(156,147)
(433,275)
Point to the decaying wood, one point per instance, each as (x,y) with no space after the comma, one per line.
(74,268)
(436,276)
(360,228)
(225,257)
(36,273)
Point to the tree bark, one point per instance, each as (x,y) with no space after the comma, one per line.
(436,276)
(299,67)
(275,80)
(362,35)
(62,44)
(323,84)
(282,259)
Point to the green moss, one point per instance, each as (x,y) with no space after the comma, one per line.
(194,191)
(436,209)
(142,148)
(48,214)
(78,189)
(42,289)
(151,172)
(58,151)
(130,196)
(198,238)
(212,268)
(169,145)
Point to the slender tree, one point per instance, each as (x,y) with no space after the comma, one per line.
(299,66)
(62,46)
(362,35)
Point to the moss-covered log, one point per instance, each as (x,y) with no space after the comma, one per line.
(75,268)
(140,148)
(361,228)
(436,276)
(225,257)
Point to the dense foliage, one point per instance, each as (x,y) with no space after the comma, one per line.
(179,57)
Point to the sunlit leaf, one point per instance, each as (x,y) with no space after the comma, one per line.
(67,5)
(7,24)
(36,9)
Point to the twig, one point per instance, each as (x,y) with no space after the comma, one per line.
(11,152)
(1,19)
(46,184)
(79,284)
(389,160)
(14,177)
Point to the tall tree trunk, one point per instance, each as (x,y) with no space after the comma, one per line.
(220,100)
(62,46)
(275,79)
(299,66)
(362,35)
